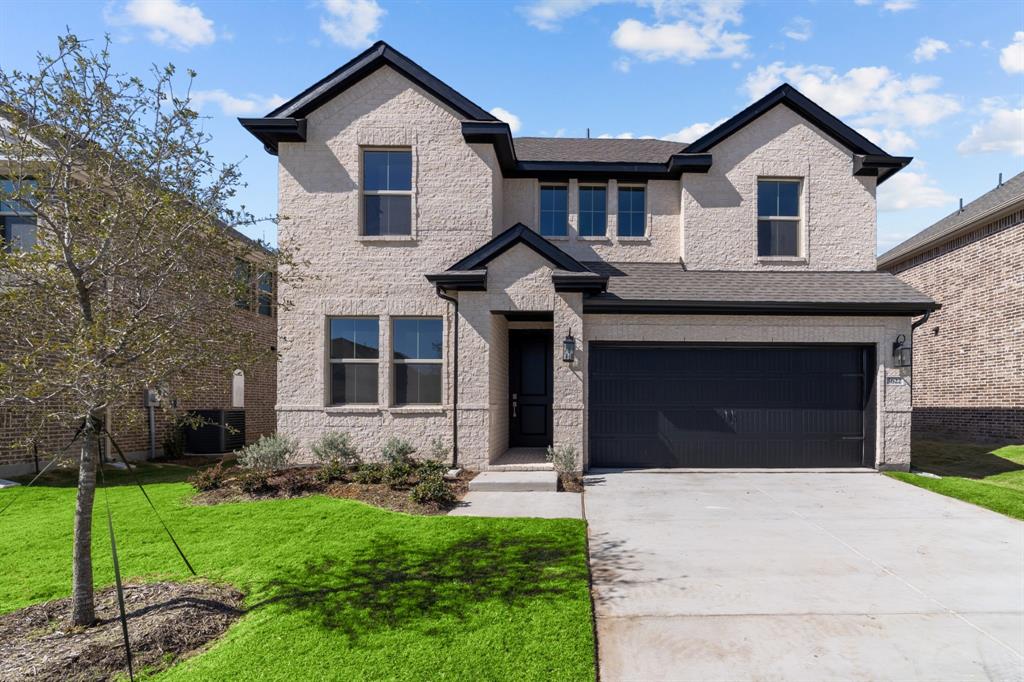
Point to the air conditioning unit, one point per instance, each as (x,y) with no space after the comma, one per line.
(221,431)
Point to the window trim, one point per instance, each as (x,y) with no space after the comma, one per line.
(800,255)
(395,361)
(579,211)
(540,211)
(618,213)
(331,361)
(363,193)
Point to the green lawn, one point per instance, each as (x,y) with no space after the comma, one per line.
(335,589)
(987,477)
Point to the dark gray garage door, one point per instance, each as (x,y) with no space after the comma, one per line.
(729,406)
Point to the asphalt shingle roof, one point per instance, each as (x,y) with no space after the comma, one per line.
(1011,190)
(671,283)
(595,149)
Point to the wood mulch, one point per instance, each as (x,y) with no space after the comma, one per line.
(166,623)
(570,483)
(301,481)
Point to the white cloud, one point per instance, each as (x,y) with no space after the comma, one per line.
(862,2)
(548,15)
(1003,131)
(892,141)
(168,22)
(698,32)
(692,132)
(899,5)
(871,95)
(1011,57)
(909,190)
(620,136)
(799,29)
(622,65)
(235,106)
(514,124)
(929,48)
(351,22)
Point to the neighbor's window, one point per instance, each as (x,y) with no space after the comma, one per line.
(632,212)
(554,210)
(354,352)
(265,297)
(387,192)
(243,284)
(417,346)
(593,210)
(778,217)
(17,221)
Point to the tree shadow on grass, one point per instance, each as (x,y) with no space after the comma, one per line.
(391,583)
(966,460)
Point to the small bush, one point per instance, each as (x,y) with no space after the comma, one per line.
(439,450)
(563,458)
(432,489)
(331,472)
(336,448)
(398,450)
(268,453)
(398,462)
(174,440)
(431,468)
(254,481)
(370,472)
(210,478)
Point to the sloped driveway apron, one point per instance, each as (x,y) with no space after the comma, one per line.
(800,576)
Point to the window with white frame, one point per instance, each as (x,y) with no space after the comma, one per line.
(554,210)
(593,210)
(387,192)
(632,211)
(17,219)
(417,356)
(778,218)
(354,350)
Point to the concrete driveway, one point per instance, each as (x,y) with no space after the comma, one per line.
(801,576)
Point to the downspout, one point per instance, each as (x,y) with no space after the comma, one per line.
(455,377)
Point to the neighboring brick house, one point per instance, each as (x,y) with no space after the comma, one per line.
(252,390)
(969,356)
(645,302)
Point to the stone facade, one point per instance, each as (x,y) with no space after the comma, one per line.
(969,356)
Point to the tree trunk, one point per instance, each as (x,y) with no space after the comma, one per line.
(82,609)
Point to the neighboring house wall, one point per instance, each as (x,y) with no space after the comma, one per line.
(720,208)
(969,356)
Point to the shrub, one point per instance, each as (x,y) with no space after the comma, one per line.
(174,440)
(398,462)
(337,449)
(563,458)
(431,468)
(254,480)
(439,450)
(370,472)
(398,449)
(210,478)
(268,453)
(432,489)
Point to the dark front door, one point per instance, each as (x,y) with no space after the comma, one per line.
(675,405)
(530,387)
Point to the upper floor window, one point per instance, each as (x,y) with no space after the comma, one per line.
(243,284)
(632,212)
(554,210)
(352,358)
(417,351)
(593,210)
(265,294)
(17,221)
(778,218)
(387,192)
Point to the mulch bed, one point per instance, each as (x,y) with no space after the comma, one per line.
(570,483)
(301,481)
(166,623)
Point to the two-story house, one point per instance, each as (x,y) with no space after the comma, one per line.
(646,302)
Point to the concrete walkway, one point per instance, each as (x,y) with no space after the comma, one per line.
(541,505)
(801,576)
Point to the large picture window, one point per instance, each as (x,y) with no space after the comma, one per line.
(778,218)
(593,210)
(417,357)
(387,192)
(632,212)
(354,354)
(554,210)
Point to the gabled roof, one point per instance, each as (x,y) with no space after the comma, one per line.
(992,202)
(287,122)
(600,150)
(870,159)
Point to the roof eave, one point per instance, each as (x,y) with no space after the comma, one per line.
(272,131)
(881,166)
(661,307)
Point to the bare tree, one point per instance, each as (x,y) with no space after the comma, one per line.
(131,279)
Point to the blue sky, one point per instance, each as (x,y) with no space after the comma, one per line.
(940,81)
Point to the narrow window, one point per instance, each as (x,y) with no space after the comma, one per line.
(243,284)
(417,355)
(778,217)
(17,219)
(593,210)
(632,212)
(265,299)
(354,350)
(554,210)
(387,192)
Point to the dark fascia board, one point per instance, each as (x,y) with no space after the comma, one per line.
(271,131)
(460,280)
(653,307)
(579,282)
(881,167)
(519,234)
(789,96)
(498,134)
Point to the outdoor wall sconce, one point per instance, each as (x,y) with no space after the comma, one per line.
(902,352)
(569,348)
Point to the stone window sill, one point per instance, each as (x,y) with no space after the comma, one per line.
(352,409)
(390,238)
(418,409)
(635,240)
(595,238)
(794,260)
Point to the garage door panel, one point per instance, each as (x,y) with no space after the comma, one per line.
(724,406)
